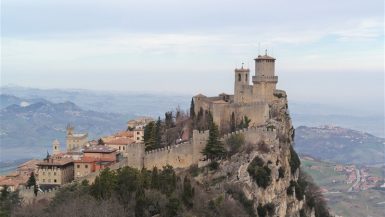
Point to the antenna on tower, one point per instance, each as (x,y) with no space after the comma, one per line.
(265,52)
(242,65)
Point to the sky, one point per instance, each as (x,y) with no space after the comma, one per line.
(327,51)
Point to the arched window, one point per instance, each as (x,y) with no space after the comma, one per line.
(246,78)
(239,77)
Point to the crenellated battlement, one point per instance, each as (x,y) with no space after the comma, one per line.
(167,148)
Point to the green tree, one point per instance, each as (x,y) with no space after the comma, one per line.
(31,180)
(147,137)
(140,205)
(169,121)
(155,178)
(167,180)
(100,141)
(244,123)
(156,133)
(127,181)
(8,201)
(104,184)
(188,193)
(233,124)
(172,207)
(214,149)
(192,109)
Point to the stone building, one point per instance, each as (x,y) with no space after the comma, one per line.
(54,171)
(75,140)
(248,100)
(94,159)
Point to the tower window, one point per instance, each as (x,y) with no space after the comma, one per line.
(239,77)
(246,78)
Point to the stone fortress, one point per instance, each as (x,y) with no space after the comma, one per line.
(248,100)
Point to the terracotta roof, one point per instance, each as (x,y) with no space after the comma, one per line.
(31,163)
(124,134)
(92,159)
(99,149)
(120,141)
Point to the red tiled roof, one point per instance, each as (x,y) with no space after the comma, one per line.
(120,141)
(92,160)
(124,134)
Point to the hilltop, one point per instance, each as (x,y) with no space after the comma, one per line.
(340,145)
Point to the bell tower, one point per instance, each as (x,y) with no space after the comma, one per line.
(241,83)
(55,147)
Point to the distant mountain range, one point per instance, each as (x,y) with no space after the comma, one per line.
(155,104)
(341,145)
(29,126)
(31,118)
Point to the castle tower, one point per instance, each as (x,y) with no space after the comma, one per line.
(264,80)
(241,84)
(55,147)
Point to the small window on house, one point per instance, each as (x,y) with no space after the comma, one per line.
(137,133)
(119,148)
(78,166)
(246,78)
(43,180)
(54,180)
(239,77)
(86,166)
(54,173)
(124,148)
(138,138)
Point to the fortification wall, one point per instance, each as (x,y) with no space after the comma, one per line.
(255,134)
(135,155)
(178,156)
(199,142)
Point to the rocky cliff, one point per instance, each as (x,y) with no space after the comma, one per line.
(264,174)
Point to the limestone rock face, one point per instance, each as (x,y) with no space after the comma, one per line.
(275,155)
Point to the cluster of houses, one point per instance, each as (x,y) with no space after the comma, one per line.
(360,177)
(81,157)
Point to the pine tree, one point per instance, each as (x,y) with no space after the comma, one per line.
(157,133)
(233,125)
(192,110)
(214,149)
(168,121)
(32,180)
(100,141)
(147,137)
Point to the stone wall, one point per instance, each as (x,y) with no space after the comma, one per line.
(178,156)
(135,155)
(189,153)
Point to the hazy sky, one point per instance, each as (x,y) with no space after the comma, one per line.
(327,51)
